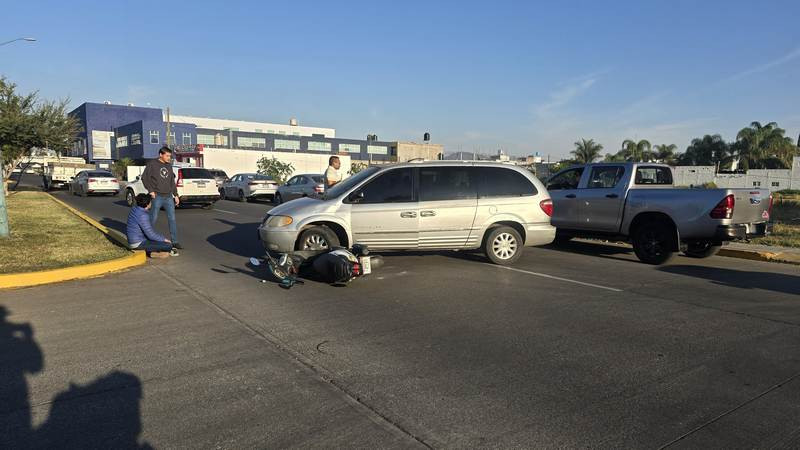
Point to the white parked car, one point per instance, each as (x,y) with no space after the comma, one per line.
(196,186)
(249,186)
(436,205)
(88,182)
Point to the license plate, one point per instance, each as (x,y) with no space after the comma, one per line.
(201,185)
(366,265)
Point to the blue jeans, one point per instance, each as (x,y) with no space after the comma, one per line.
(168,202)
(154,246)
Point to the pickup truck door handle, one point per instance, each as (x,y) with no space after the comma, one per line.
(612,196)
(427,213)
(408,214)
(570,196)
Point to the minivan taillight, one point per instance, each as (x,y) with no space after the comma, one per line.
(769,211)
(724,209)
(547,207)
(180,178)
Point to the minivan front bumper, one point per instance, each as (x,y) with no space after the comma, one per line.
(276,240)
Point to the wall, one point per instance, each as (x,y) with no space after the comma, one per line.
(234,161)
(242,125)
(129,151)
(406,151)
(102,117)
(772,179)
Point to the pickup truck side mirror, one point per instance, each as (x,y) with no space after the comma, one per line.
(356,197)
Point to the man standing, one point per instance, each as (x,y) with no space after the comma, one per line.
(332,175)
(159,180)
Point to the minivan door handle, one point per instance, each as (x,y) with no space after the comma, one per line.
(427,213)
(570,196)
(408,214)
(612,196)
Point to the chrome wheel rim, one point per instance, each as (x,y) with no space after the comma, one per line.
(504,246)
(315,242)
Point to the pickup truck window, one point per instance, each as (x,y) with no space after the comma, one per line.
(653,175)
(605,177)
(565,180)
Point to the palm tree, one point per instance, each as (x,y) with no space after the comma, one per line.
(586,151)
(665,153)
(637,151)
(710,150)
(764,146)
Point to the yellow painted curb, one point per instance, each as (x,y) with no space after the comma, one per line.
(755,255)
(25,279)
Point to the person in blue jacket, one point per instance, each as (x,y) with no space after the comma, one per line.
(141,235)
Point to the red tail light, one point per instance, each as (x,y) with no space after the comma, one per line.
(547,207)
(252,183)
(92,180)
(769,211)
(114,180)
(180,178)
(319,189)
(724,209)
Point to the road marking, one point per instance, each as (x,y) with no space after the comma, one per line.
(553,277)
(226,212)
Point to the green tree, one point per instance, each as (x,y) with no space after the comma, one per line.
(356,167)
(586,151)
(710,150)
(275,168)
(26,122)
(665,153)
(120,168)
(637,151)
(764,147)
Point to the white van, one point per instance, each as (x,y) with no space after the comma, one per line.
(435,205)
(196,185)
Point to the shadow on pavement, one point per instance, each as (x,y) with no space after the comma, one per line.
(240,239)
(102,414)
(778,282)
(114,224)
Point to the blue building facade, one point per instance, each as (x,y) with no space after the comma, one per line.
(144,128)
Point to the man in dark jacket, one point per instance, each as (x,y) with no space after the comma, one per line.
(159,180)
(141,235)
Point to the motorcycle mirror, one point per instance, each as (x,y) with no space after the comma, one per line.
(255,262)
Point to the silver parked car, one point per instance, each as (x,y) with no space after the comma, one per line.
(89,182)
(306,185)
(249,186)
(434,205)
(219,176)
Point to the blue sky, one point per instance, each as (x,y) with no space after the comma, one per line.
(523,76)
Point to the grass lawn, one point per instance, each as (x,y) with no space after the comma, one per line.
(44,235)
(786,231)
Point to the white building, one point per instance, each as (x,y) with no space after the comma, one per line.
(772,179)
(291,129)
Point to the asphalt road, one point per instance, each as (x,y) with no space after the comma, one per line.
(574,346)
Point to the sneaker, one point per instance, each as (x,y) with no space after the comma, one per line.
(177,245)
(174,252)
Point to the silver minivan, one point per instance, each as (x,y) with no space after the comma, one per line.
(436,205)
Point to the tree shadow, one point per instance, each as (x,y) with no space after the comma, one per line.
(771,281)
(241,239)
(102,414)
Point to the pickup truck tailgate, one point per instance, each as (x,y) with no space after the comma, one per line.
(752,205)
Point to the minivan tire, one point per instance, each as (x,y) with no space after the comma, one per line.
(317,237)
(653,243)
(702,249)
(503,245)
(242,198)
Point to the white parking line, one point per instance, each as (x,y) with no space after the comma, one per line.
(226,212)
(553,277)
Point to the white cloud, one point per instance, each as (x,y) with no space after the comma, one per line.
(792,55)
(563,96)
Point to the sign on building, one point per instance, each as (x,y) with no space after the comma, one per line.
(101,144)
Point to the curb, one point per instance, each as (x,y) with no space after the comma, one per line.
(755,255)
(26,279)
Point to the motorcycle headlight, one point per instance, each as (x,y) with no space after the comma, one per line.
(278,221)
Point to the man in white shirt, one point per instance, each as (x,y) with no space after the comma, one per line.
(332,175)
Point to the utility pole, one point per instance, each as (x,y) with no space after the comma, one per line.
(169,128)
(3,211)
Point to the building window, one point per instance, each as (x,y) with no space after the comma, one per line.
(205,139)
(136,139)
(377,150)
(286,144)
(271,131)
(154,136)
(349,148)
(187,139)
(122,141)
(756,183)
(171,138)
(259,130)
(282,132)
(776,184)
(319,146)
(245,141)
(295,133)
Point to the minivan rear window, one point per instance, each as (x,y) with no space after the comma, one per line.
(447,183)
(502,182)
(196,173)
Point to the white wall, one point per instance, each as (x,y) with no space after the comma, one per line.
(242,125)
(234,161)
(772,179)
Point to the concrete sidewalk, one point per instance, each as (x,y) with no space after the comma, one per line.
(762,252)
(138,359)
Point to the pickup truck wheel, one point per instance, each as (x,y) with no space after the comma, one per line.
(242,198)
(653,243)
(561,238)
(130,199)
(318,237)
(701,249)
(503,245)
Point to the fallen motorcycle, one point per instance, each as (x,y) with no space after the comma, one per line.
(333,266)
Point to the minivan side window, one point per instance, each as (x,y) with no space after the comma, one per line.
(392,186)
(447,183)
(502,182)
(566,180)
(653,175)
(605,177)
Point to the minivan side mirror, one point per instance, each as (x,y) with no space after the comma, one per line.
(356,197)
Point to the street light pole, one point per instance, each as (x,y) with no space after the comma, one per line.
(29,39)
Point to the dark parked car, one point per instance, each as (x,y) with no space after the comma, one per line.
(219,176)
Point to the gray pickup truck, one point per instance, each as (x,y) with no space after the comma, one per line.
(638,202)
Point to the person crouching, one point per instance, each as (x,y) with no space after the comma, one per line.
(141,235)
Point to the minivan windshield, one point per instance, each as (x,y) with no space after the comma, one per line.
(348,183)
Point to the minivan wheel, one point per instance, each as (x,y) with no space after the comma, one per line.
(242,198)
(129,197)
(503,245)
(702,249)
(653,243)
(318,237)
